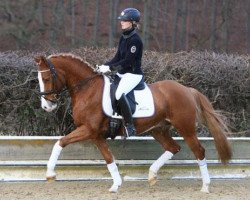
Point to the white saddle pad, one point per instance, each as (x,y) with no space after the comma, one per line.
(144,98)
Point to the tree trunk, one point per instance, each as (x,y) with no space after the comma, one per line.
(225,18)
(96,24)
(52,28)
(40,14)
(175,26)
(57,22)
(213,25)
(165,25)
(116,13)
(73,22)
(184,24)
(248,27)
(205,19)
(84,22)
(155,33)
(155,13)
(111,24)
(145,31)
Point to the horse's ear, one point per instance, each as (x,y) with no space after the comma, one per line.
(39,59)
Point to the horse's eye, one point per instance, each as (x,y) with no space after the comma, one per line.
(45,80)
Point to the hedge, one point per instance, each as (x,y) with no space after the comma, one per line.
(223,78)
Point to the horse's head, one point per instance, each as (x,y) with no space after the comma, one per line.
(50,85)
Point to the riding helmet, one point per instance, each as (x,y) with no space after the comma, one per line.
(130,14)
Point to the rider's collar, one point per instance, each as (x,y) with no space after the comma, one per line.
(128,33)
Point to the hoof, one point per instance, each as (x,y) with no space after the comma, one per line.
(205,188)
(114,189)
(51,179)
(152,178)
(152,181)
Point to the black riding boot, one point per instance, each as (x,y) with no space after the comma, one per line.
(127,115)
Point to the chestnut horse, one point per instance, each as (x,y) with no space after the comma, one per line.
(175,105)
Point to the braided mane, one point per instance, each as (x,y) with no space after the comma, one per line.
(72,56)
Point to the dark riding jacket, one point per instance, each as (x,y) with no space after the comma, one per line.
(128,56)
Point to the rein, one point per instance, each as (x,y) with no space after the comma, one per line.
(81,83)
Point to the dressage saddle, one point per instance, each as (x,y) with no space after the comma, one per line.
(120,107)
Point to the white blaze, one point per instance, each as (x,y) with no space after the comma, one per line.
(46,105)
(41,85)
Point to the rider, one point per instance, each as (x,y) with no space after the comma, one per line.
(127,61)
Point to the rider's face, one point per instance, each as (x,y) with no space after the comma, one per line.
(126,25)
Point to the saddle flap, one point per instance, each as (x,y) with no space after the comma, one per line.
(144,106)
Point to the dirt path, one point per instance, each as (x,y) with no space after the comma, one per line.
(137,190)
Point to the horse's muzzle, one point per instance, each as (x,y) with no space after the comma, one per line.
(48,105)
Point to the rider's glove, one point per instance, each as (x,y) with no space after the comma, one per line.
(103,69)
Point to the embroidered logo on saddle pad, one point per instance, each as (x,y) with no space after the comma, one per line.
(144,98)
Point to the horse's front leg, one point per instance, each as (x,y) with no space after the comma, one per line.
(81,133)
(111,165)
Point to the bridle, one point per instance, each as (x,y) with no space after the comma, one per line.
(54,91)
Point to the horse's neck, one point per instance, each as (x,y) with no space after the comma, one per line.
(77,72)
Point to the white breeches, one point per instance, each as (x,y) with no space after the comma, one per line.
(127,83)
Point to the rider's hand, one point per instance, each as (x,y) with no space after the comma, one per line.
(103,69)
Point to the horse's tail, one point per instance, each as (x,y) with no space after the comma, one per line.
(215,124)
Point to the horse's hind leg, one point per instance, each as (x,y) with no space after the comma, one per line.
(171,148)
(186,128)
(111,165)
(199,153)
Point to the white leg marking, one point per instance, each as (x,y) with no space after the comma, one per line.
(154,168)
(53,159)
(117,180)
(204,174)
(161,161)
